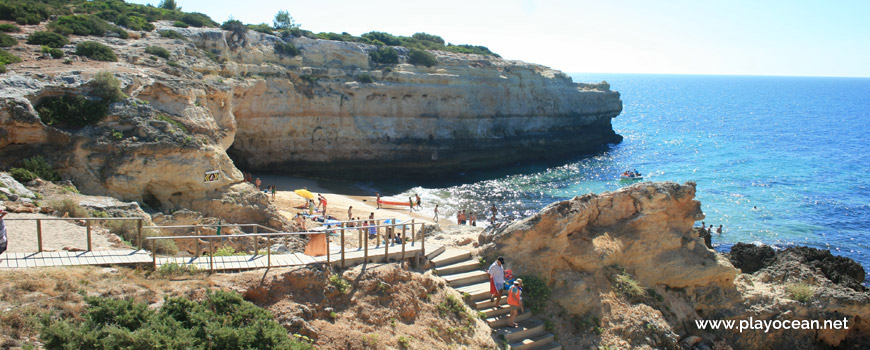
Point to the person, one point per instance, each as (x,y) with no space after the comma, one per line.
(473,219)
(461,217)
(515,301)
(310,207)
(419,205)
(496,280)
(273,192)
(494,211)
(350,213)
(436,214)
(703,227)
(373,231)
(3,239)
(378,194)
(323,204)
(636,173)
(719,230)
(300,222)
(410,204)
(710,230)
(257,183)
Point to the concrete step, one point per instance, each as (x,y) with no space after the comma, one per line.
(502,320)
(460,267)
(539,341)
(478,291)
(548,346)
(486,304)
(451,256)
(434,250)
(526,329)
(466,278)
(493,312)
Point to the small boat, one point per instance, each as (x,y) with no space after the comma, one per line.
(630,178)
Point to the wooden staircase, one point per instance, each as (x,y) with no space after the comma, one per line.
(465,275)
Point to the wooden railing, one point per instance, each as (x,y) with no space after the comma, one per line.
(340,229)
(87,224)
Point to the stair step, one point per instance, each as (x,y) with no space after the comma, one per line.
(466,278)
(537,342)
(451,256)
(435,250)
(493,312)
(549,346)
(460,267)
(476,294)
(527,328)
(502,320)
(486,304)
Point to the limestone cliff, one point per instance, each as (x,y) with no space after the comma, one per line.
(222,101)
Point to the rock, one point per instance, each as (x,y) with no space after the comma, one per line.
(9,195)
(750,258)
(14,187)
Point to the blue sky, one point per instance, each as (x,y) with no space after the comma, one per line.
(761,37)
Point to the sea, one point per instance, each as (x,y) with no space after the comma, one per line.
(777,160)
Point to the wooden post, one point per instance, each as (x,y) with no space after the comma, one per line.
(403,243)
(366,252)
(360,232)
(413,233)
(255,240)
(210,255)
(422,239)
(88,224)
(154,254)
(378,232)
(139,234)
(269,252)
(196,233)
(342,246)
(39,234)
(326,232)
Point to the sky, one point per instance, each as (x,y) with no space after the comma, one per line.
(734,37)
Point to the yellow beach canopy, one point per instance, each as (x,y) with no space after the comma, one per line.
(304,193)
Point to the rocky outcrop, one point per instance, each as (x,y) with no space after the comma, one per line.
(750,258)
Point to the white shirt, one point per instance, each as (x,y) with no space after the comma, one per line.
(497,273)
(2,231)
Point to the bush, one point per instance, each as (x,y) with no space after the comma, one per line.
(365,78)
(96,51)
(37,165)
(801,292)
(536,293)
(421,58)
(286,49)
(196,19)
(234,26)
(171,34)
(7,58)
(451,306)
(55,53)
(7,41)
(105,86)
(386,38)
(70,111)
(24,12)
(157,51)
(179,24)
(135,23)
(80,25)
(9,28)
(223,320)
(173,269)
(342,285)
(385,55)
(49,39)
(70,207)
(428,37)
(629,286)
(22,175)
(2,67)
(262,28)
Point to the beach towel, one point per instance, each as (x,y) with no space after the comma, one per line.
(492,290)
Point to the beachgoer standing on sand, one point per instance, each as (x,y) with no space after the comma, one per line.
(257,183)
(378,201)
(496,280)
(350,213)
(436,214)
(410,204)
(372,229)
(274,189)
(494,211)
(310,207)
(419,206)
(473,219)
(719,230)
(3,239)
(515,301)
(323,204)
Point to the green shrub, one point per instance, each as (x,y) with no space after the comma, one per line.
(262,28)
(80,25)
(41,168)
(386,38)
(2,67)
(70,111)
(96,51)
(22,175)
(168,4)
(286,49)
(49,39)
(179,24)
(223,320)
(536,293)
(235,26)
(6,40)
(24,12)
(9,28)
(283,21)
(173,269)
(629,286)
(29,19)
(801,292)
(55,53)
(385,55)
(105,86)
(7,58)
(135,23)
(70,207)
(171,34)
(365,78)
(178,125)
(428,37)
(157,51)
(451,306)
(196,19)
(421,58)
(342,285)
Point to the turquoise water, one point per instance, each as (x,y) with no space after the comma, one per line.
(777,160)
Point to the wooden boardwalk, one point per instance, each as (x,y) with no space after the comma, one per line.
(68,258)
(220,263)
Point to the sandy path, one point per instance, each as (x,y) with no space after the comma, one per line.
(56,234)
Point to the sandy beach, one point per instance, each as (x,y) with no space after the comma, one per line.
(56,234)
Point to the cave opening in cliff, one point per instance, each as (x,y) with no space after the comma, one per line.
(150,200)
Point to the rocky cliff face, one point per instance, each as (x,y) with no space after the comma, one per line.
(220,95)
(588,248)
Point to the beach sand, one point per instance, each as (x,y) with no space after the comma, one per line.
(56,234)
